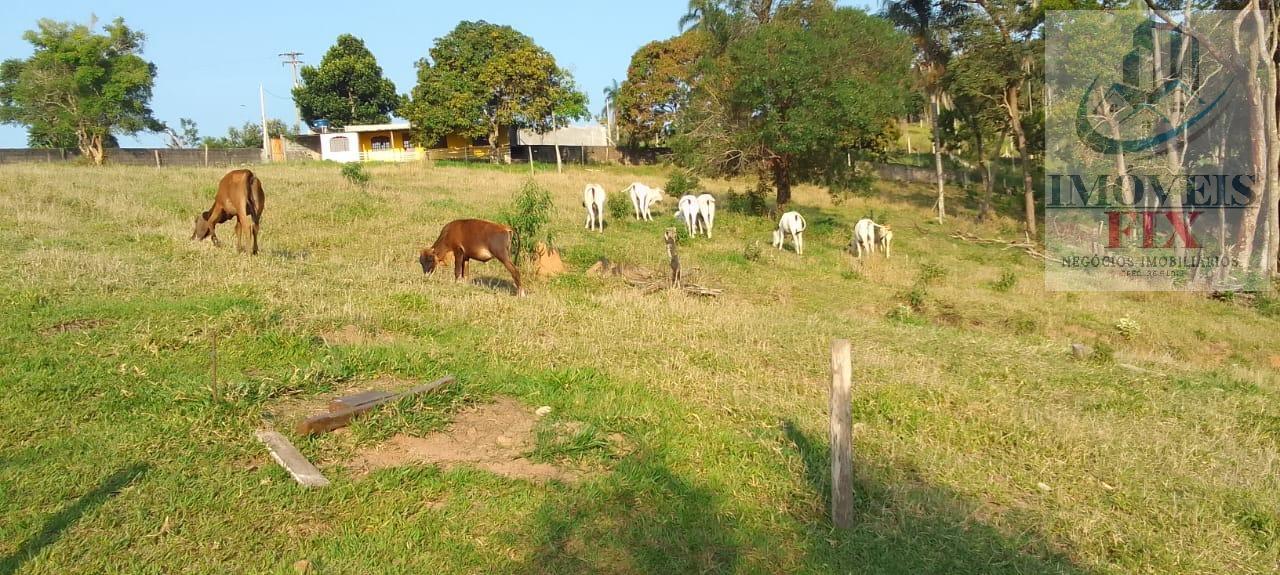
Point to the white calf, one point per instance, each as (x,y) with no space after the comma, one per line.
(643,198)
(593,199)
(687,210)
(707,210)
(884,237)
(864,236)
(791,223)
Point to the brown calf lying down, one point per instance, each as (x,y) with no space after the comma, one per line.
(239,196)
(462,240)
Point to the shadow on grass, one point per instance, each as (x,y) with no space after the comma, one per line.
(494,283)
(909,526)
(60,521)
(643,518)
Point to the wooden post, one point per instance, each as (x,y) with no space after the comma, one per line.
(676,276)
(559,167)
(206,155)
(841,435)
(157,153)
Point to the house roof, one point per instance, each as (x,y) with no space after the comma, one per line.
(375,127)
(567,136)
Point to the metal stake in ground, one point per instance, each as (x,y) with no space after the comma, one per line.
(841,435)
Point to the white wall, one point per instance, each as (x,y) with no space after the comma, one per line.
(353,147)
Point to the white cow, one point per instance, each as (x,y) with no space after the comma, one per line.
(593,199)
(707,210)
(643,198)
(791,223)
(687,210)
(864,236)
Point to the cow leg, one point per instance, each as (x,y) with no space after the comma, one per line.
(256,218)
(459,265)
(511,268)
(215,217)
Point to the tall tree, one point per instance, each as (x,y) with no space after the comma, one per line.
(1015,26)
(610,110)
(793,90)
(347,87)
(924,21)
(658,84)
(482,78)
(79,82)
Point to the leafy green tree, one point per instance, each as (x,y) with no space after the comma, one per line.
(93,86)
(347,87)
(659,81)
(189,137)
(790,97)
(482,78)
(250,135)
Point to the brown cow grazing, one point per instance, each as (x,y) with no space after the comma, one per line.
(239,196)
(462,240)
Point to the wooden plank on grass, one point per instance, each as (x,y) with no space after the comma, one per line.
(326,422)
(291,459)
(358,399)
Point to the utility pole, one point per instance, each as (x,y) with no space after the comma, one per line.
(293,62)
(266,140)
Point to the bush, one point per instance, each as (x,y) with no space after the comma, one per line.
(752,251)
(1128,328)
(619,206)
(354,172)
(1007,280)
(530,212)
(751,203)
(680,184)
(930,272)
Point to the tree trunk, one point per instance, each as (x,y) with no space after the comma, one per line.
(494,128)
(782,181)
(1020,137)
(936,112)
(984,202)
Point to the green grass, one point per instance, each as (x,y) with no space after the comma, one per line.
(981,445)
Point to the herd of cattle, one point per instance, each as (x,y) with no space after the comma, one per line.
(240,196)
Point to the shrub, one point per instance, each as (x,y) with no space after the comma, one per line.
(530,212)
(929,272)
(681,183)
(751,203)
(752,250)
(619,206)
(355,173)
(1128,328)
(1007,280)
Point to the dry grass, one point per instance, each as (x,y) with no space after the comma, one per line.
(981,447)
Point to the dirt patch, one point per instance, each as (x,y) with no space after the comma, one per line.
(82,324)
(352,335)
(494,437)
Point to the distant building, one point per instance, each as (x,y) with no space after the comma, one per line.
(394,143)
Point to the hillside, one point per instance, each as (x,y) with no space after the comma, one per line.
(696,428)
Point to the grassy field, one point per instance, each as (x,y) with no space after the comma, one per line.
(699,425)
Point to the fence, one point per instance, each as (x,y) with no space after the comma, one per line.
(140,156)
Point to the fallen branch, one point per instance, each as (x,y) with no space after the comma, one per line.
(326,422)
(1027,246)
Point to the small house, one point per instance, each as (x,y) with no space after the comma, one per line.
(370,143)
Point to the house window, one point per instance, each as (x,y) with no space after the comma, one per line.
(380,143)
(440,142)
(481,141)
(408,144)
(339,144)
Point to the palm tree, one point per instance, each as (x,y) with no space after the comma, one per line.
(923,21)
(610,107)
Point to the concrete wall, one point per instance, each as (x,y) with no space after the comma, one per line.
(140,156)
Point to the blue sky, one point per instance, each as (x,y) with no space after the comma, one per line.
(212,56)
